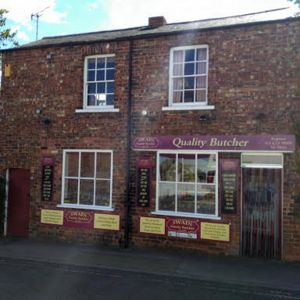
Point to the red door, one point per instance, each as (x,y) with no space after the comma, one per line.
(18,203)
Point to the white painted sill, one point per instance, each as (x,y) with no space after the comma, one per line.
(96,110)
(190,107)
(185,215)
(87,207)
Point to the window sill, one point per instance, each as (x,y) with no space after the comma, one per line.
(187,215)
(96,110)
(88,207)
(188,107)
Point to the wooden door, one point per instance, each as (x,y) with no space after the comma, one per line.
(18,203)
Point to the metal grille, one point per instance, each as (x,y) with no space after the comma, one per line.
(261,213)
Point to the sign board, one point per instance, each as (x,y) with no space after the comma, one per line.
(51,216)
(47,178)
(183,228)
(78,219)
(106,221)
(152,225)
(229,173)
(143,183)
(278,143)
(215,231)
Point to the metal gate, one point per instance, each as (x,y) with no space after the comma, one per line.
(261,217)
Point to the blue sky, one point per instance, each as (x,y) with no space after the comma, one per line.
(74,16)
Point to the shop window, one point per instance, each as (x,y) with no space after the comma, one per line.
(187,184)
(188,78)
(87,179)
(99,83)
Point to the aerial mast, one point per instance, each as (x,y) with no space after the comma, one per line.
(36,16)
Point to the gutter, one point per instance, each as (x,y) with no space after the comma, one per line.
(127,229)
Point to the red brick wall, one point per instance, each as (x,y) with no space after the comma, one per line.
(252,70)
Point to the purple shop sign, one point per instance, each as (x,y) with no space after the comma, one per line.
(278,143)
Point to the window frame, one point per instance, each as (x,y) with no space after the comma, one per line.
(175,213)
(95,108)
(190,105)
(85,206)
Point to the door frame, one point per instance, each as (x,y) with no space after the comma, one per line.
(263,166)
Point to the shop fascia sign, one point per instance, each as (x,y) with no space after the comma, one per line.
(276,143)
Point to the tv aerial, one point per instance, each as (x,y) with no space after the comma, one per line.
(36,16)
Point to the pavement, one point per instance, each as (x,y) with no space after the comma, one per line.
(249,272)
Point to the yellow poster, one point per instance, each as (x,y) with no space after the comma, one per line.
(105,221)
(152,225)
(215,231)
(51,216)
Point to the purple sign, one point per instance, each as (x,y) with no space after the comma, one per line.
(278,143)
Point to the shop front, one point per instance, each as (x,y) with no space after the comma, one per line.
(213,189)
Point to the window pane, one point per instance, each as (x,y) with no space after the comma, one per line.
(100,75)
(110,62)
(206,168)
(166,198)
(206,199)
(200,82)
(189,83)
(186,168)
(178,56)
(101,63)
(101,88)
(186,198)
(110,100)
(189,69)
(177,84)
(71,164)
(91,63)
(201,54)
(103,165)
(201,68)
(103,192)
(178,69)
(70,191)
(86,195)
(91,88)
(91,100)
(87,164)
(190,55)
(110,87)
(91,75)
(167,165)
(188,96)
(110,74)
(177,97)
(200,95)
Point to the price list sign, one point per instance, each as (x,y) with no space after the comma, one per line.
(47,178)
(144,166)
(229,185)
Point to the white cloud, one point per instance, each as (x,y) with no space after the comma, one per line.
(129,13)
(22,36)
(92,6)
(20,11)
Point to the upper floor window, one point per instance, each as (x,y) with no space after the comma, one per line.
(99,81)
(188,76)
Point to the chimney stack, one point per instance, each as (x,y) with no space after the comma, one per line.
(156,21)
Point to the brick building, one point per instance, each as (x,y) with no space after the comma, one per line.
(168,135)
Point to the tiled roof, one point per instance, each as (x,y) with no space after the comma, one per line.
(265,16)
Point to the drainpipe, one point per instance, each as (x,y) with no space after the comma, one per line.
(129,137)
